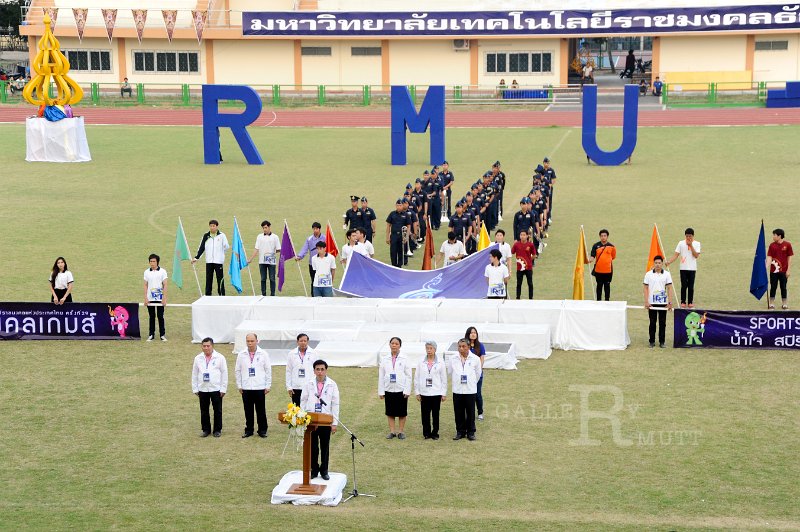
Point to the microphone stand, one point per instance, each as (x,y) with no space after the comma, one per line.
(353,440)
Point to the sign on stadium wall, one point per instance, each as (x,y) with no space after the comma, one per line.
(70,321)
(737,329)
(501,23)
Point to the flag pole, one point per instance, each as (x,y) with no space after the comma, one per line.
(302,280)
(193,266)
(252,286)
(661,244)
(766,262)
(591,277)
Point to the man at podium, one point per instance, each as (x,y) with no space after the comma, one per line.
(322,396)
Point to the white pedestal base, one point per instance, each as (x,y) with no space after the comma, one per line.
(56,142)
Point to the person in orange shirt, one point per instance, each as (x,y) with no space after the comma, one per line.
(603,255)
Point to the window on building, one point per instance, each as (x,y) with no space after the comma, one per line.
(365,50)
(89,60)
(519,62)
(315,50)
(772,45)
(166,62)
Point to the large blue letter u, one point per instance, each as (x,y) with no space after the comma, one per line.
(629,125)
(404,114)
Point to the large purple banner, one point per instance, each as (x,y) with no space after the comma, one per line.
(737,329)
(71,321)
(367,277)
(498,23)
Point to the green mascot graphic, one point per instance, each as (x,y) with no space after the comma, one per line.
(695,327)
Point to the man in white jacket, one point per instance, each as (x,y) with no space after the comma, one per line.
(254,380)
(210,383)
(214,245)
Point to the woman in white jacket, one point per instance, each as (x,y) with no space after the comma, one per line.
(430,385)
(394,387)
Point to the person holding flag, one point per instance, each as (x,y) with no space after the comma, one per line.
(658,299)
(309,247)
(214,245)
(287,253)
(267,245)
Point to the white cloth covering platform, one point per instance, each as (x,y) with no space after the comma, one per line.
(530,341)
(502,356)
(56,142)
(216,317)
(332,495)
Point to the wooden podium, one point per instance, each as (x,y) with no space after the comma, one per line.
(307,488)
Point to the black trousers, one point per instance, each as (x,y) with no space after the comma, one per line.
(215,400)
(775,279)
(254,400)
(661,317)
(320,450)
(527,275)
(296,395)
(60,293)
(153,311)
(464,409)
(603,284)
(211,269)
(435,211)
(267,270)
(430,405)
(687,286)
(311,274)
(396,252)
(449,195)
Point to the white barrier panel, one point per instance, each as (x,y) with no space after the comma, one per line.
(414,351)
(495,358)
(464,311)
(531,341)
(217,316)
(285,330)
(594,325)
(283,308)
(348,354)
(400,310)
(381,332)
(339,308)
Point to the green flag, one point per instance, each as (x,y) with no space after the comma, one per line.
(181,253)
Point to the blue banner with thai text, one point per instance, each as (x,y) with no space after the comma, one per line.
(500,23)
(70,321)
(737,329)
(366,277)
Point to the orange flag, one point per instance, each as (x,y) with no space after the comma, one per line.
(430,248)
(333,249)
(581,259)
(655,248)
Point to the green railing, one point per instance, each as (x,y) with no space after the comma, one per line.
(722,94)
(674,94)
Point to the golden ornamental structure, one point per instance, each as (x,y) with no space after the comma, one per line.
(51,66)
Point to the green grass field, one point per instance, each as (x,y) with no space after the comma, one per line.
(99,435)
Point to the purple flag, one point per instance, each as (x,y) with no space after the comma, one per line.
(366,277)
(287,253)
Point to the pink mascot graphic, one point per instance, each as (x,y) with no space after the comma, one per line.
(119,319)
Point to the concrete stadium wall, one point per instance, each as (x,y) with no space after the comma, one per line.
(254,62)
(702,54)
(423,62)
(341,67)
(778,65)
(519,45)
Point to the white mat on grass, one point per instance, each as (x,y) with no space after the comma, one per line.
(332,495)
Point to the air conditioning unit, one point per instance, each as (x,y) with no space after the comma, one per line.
(460,44)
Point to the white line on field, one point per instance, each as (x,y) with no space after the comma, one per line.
(152,218)
(274,118)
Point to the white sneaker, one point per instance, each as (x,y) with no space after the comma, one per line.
(163,338)
(150,338)
(480,417)
(499,217)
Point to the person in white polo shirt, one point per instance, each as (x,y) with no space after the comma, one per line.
(430,386)
(61,282)
(268,245)
(689,251)
(497,276)
(324,266)
(464,371)
(210,383)
(321,395)
(394,387)
(658,299)
(214,245)
(155,296)
(452,250)
(299,368)
(254,380)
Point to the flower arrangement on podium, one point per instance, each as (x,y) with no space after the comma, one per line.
(298,421)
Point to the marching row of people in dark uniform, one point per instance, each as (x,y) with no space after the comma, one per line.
(431,198)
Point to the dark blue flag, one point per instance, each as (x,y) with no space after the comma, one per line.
(759,282)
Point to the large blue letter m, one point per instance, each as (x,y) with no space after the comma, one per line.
(405,116)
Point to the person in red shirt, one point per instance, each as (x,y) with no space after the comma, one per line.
(779,257)
(524,252)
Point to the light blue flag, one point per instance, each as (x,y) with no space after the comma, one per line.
(238,258)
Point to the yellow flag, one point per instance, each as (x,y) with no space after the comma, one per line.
(581,258)
(483,238)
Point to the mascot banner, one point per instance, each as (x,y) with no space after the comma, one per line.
(737,329)
(70,321)
(366,277)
